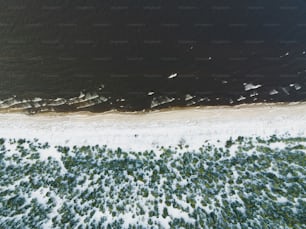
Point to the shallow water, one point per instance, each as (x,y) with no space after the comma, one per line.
(134,55)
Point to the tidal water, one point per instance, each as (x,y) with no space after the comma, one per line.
(70,55)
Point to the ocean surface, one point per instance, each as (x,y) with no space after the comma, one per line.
(71,55)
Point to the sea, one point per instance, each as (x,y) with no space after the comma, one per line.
(140,55)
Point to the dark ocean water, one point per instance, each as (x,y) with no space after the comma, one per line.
(67,55)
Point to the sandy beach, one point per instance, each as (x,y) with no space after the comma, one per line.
(144,131)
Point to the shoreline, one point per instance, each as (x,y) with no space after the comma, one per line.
(148,112)
(146,131)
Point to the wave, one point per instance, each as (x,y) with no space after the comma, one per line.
(98,101)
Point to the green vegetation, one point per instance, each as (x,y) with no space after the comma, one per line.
(245,183)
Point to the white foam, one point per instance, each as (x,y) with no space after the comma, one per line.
(273,92)
(296,86)
(160,100)
(172,76)
(188,97)
(250,86)
(241,98)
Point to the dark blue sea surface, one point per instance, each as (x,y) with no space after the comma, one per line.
(68,55)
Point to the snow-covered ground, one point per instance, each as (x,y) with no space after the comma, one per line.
(240,183)
(144,131)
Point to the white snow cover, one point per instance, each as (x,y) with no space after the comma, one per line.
(144,131)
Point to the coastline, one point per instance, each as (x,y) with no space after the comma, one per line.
(149,130)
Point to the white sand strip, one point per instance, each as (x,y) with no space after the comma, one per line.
(141,131)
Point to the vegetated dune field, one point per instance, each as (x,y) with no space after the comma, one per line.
(207,167)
